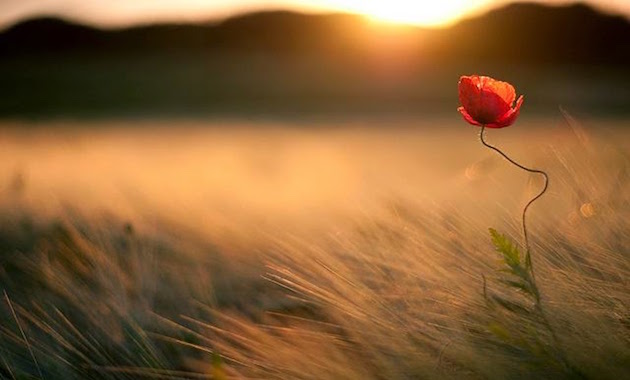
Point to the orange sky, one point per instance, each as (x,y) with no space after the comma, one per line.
(114,13)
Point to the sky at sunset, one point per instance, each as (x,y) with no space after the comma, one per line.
(115,13)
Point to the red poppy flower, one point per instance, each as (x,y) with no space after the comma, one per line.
(489,102)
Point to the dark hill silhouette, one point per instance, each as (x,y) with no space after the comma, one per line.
(284,63)
(48,35)
(271,32)
(524,33)
(542,34)
(285,32)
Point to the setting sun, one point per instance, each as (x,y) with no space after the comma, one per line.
(429,13)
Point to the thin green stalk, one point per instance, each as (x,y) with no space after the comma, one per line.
(563,358)
(528,258)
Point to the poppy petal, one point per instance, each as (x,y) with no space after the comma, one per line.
(469,92)
(509,118)
(467,116)
(483,99)
(491,106)
(503,89)
(486,101)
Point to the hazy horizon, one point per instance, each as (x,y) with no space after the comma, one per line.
(115,14)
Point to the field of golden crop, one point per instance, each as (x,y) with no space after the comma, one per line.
(333,250)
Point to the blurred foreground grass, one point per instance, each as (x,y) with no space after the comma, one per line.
(342,252)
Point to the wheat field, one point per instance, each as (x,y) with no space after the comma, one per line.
(333,250)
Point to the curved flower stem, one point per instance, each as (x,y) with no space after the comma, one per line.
(562,355)
(528,259)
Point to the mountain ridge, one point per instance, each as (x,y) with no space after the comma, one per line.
(520,32)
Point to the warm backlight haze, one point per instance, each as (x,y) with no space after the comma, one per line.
(428,13)
(123,13)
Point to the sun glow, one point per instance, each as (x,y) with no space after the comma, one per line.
(418,12)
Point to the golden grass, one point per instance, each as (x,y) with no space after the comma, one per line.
(266,251)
